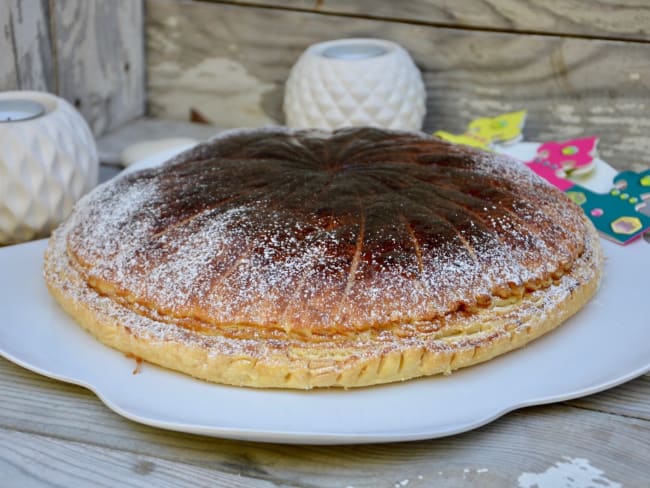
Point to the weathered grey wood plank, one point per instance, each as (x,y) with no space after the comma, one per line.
(205,73)
(100,59)
(111,145)
(232,62)
(528,441)
(28,460)
(32,44)
(8,74)
(607,18)
(631,399)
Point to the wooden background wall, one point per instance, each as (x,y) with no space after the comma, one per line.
(90,52)
(579,67)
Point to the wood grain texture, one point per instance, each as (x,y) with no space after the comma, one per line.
(35,460)
(100,59)
(27,60)
(631,399)
(232,62)
(60,426)
(8,71)
(32,44)
(626,19)
(111,145)
(89,52)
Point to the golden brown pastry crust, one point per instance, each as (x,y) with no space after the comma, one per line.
(400,310)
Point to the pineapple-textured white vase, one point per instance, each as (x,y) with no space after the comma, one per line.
(48,160)
(355,82)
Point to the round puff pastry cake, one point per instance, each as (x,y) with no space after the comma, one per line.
(272,258)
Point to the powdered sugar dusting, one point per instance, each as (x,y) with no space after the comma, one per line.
(284,270)
(460,333)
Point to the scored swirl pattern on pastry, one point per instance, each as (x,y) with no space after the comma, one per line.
(306,237)
(313,234)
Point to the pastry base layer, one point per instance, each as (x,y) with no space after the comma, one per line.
(460,339)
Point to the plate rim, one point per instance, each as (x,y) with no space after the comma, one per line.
(316,437)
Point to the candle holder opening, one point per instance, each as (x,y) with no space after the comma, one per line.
(354,51)
(18,110)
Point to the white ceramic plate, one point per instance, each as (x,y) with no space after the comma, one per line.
(605,344)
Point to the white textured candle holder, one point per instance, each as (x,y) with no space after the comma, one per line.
(48,160)
(355,82)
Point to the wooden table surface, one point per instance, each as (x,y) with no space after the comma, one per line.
(57,434)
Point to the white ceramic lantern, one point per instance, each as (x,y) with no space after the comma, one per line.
(48,160)
(355,82)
